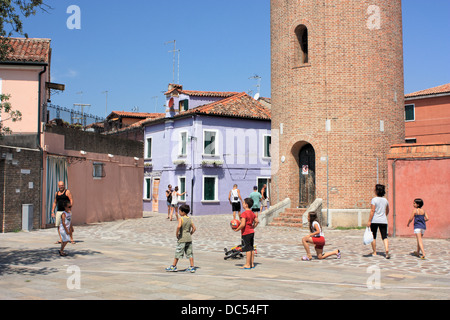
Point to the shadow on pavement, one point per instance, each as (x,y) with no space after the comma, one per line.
(23,261)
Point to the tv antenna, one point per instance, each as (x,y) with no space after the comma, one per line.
(82,116)
(106,108)
(258,78)
(174,51)
(156,102)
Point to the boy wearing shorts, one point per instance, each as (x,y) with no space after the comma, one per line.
(249,221)
(185,230)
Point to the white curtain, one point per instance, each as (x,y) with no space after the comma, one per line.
(56,171)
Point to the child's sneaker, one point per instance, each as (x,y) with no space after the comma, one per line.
(171,269)
(191,269)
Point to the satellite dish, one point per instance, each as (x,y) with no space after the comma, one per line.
(257,96)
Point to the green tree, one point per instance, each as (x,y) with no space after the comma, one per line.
(7,114)
(11,14)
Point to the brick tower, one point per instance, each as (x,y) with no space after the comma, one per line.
(337,99)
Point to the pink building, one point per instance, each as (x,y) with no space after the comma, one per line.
(104,174)
(26,78)
(427,115)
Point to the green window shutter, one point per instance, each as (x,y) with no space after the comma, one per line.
(210,142)
(183,143)
(183,188)
(209,189)
(149,148)
(409,113)
(267,144)
(186,105)
(148,181)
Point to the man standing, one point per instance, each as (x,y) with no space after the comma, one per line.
(256,197)
(265,199)
(61,196)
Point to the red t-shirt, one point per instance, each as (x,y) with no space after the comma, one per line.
(249,219)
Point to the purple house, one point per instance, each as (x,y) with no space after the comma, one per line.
(207,142)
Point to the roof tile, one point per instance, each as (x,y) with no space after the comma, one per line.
(29,50)
(445,88)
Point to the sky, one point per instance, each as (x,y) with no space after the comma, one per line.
(124,48)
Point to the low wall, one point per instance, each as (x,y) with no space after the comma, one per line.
(346,218)
(274,211)
(420,171)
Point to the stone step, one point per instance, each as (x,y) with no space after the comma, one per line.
(285,224)
(292,217)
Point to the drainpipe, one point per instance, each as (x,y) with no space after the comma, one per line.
(394,214)
(41,151)
(192,164)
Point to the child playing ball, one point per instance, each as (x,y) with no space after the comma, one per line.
(247,227)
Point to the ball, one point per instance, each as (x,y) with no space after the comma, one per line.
(235,224)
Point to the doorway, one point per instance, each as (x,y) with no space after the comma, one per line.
(307,174)
(155,194)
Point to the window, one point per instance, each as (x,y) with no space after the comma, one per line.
(184,105)
(183,143)
(267,145)
(148,148)
(261,182)
(98,170)
(410,114)
(148,189)
(210,142)
(412,140)
(301,54)
(182,187)
(210,188)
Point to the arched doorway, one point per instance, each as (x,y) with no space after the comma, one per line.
(307,173)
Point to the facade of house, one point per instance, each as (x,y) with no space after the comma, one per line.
(427,115)
(25,77)
(207,142)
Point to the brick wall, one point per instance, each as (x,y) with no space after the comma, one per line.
(353,79)
(19,184)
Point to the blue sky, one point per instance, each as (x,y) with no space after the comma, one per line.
(121,48)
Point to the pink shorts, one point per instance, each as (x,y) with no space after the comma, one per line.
(319,242)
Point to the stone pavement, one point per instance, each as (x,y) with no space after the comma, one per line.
(125,260)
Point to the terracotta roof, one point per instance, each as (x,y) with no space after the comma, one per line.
(139,124)
(240,105)
(195,93)
(445,88)
(29,50)
(140,115)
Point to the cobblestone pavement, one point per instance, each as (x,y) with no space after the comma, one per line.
(125,260)
(214,234)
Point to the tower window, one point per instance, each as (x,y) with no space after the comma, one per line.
(301,45)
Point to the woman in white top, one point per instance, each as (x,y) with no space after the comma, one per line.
(234,196)
(378,219)
(174,204)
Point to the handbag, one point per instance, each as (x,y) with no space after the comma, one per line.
(368,236)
